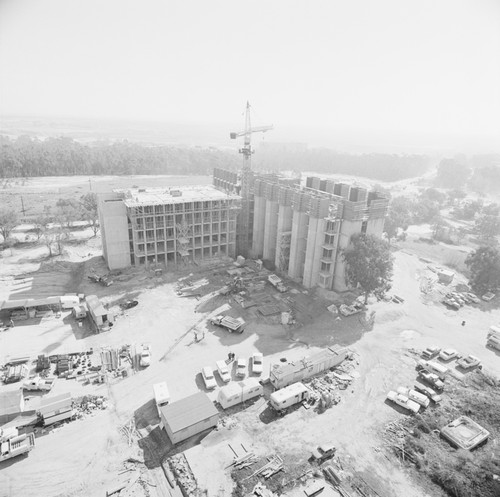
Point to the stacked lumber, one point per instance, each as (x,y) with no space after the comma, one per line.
(273,466)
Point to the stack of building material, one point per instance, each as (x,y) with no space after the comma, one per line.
(273,466)
(110,359)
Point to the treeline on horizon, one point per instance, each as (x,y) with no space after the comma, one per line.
(29,157)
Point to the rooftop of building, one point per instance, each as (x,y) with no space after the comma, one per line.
(188,411)
(160,196)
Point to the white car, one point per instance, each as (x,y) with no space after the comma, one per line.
(417,397)
(403,401)
(145,355)
(448,354)
(208,377)
(241,367)
(223,370)
(257,363)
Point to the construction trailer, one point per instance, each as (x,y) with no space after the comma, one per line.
(54,409)
(69,301)
(235,393)
(289,396)
(100,316)
(13,444)
(188,417)
(283,375)
(11,405)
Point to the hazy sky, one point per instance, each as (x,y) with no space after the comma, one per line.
(379,67)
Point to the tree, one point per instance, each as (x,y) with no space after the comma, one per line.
(434,196)
(368,264)
(468,210)
(492,209)
(41,221)
(89,208)
(439,227)
(455,195)
(452,173)
(488,227)
(68,211)
(484,266)
(9,219)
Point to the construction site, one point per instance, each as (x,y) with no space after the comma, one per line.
(212,347)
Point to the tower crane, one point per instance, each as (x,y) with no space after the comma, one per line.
(244,234)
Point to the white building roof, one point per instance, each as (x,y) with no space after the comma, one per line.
(181,195)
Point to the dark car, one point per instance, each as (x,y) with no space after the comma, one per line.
(129,304)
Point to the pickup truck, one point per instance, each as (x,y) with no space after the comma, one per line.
(38,383)
(436,398)
(231,324)
(417,397)
(349,310)
(431,379)
(468,363)
(145,359)
(277,283)
(322,453)
(12,444)
(403,401)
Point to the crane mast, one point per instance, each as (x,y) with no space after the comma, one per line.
(244,227)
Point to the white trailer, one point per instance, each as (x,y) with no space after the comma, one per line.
(289,396)
(235,393)
(162,395)
(282,375)
(12,444)
(277,282)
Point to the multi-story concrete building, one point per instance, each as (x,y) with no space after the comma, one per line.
(167,226)
(301,230)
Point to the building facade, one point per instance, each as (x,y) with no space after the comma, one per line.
(301,230)
(167,226)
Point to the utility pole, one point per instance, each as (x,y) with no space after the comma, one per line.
(90,184)
(23,210)
(243,232)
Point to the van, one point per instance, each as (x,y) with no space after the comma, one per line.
(162,395)
(289,396)
(434,367)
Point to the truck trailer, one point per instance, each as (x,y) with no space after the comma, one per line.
(231,324)
(235,393)
(12,444)
(289,396)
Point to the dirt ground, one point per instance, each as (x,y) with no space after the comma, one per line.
(86,457)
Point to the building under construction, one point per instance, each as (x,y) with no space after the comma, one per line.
(167,226)
(300,230)
(297,229)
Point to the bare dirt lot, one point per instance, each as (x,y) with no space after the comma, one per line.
(91,455)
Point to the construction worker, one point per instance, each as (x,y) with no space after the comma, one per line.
(11,323)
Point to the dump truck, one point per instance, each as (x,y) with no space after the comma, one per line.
(12,444)
(37,383)
(231,324)
(277,282)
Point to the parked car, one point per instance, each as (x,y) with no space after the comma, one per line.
(448,354)
(403,401)
(488,296)
(469,362)
(431,378)
(257,362)
(128,304)
(241,367)
(145,355)
(417,397)
(431,352)
(452,303)
(208,377)
(434,396)
(322,453)
(223,370)
(474,298)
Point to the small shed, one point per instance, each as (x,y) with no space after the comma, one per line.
(445,276)
(54,409)
(188,417)
(100,316)
(11,405)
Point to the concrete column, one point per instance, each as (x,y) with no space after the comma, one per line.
(347,229)
(285,216)
(314,249)
(270,230)
(297,244)
(259,220)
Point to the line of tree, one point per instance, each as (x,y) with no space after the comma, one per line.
(27,157)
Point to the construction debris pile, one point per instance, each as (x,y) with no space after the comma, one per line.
(88,405)
(130,432)
(227,422)
(394,438)
(184,475)
(274,465)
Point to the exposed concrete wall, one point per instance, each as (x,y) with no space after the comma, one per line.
(312,263)
(259,220)
(347,229)
(298,244)
(375,226)
(114,231)
(270,230)
(285,217)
